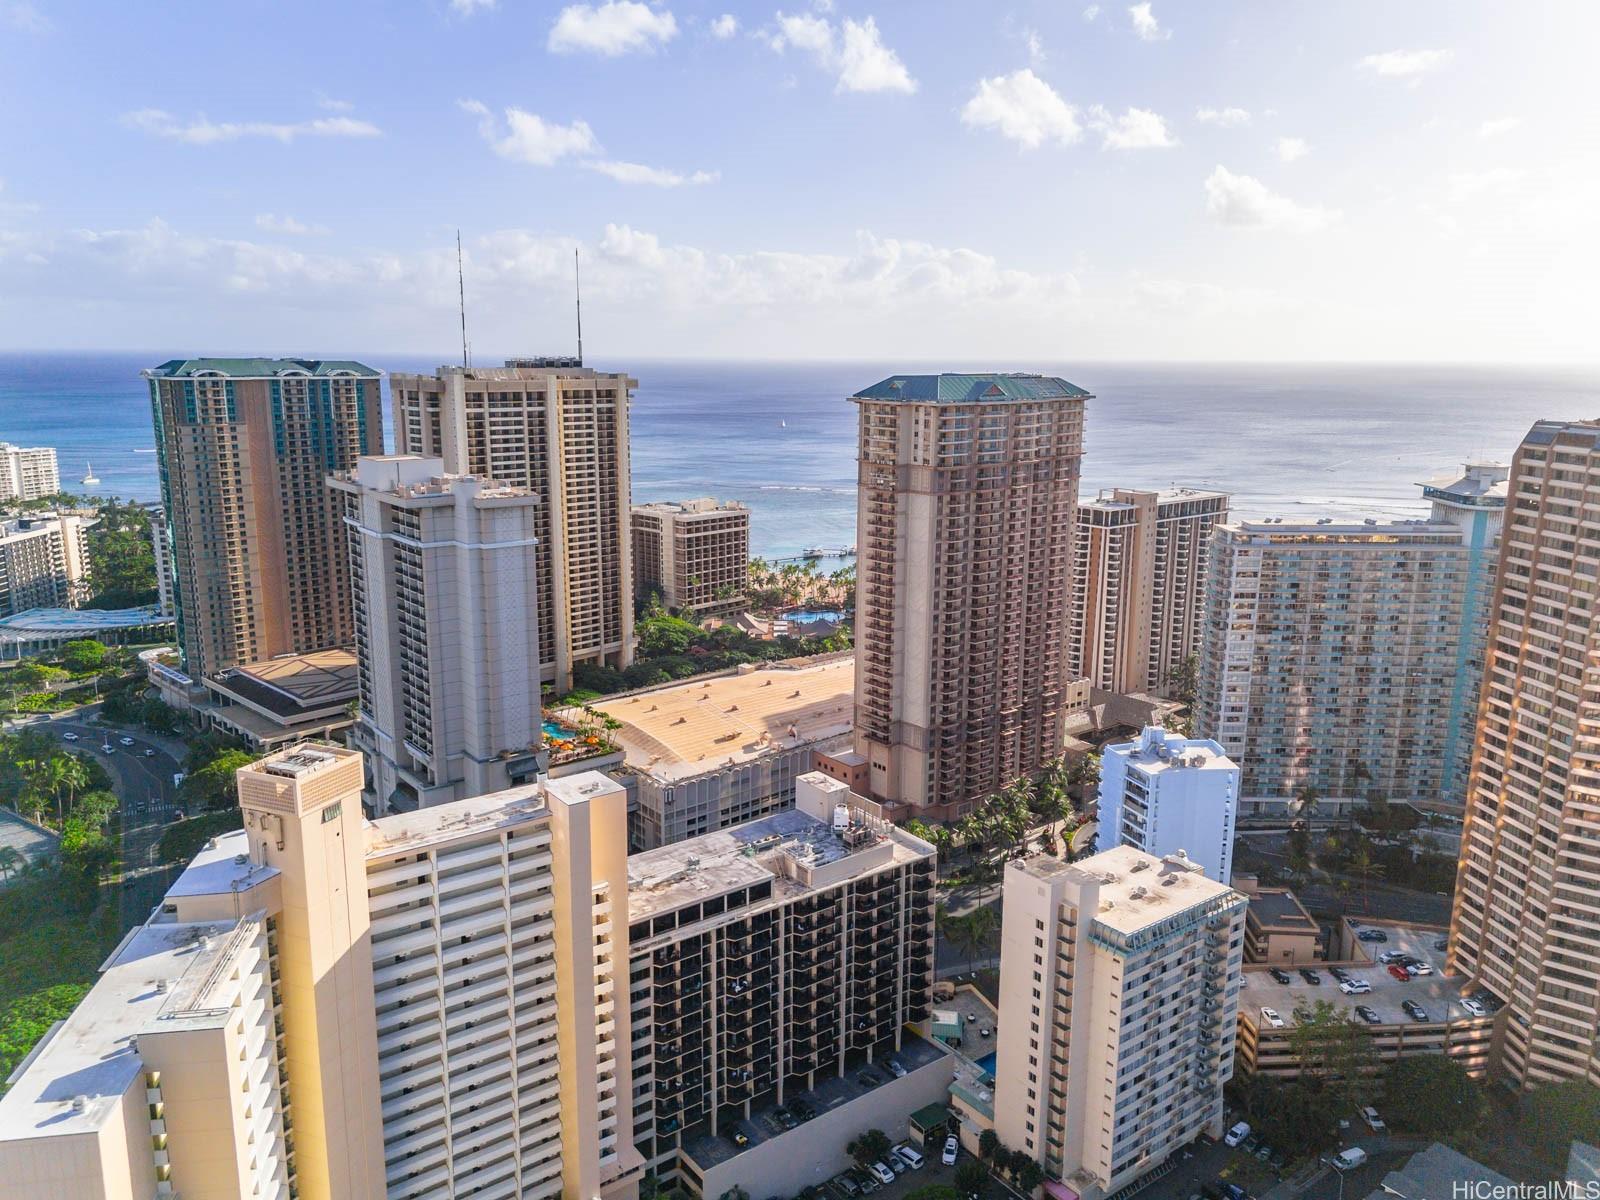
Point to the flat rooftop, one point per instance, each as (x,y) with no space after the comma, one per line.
(1107,500)
(985,387)
(1137,890)
(216,869)
(742,855)
(1329,530)
(677,732)
(1157,750)
(296,683)
(403,833)
(92,1055)
(1279,909)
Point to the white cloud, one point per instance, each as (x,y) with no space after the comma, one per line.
(1035,45)
(330,104)
(1145,23)
(1091,12)
(1136,129)
(725,26)
(1023,108)
(854,50)
(1465,185)
(24,16)
(467,7)
(1245,202)
(613,28)
(529,138)
(1498,126)
(627,172)
(1291,149)
(272,223)
(1405,64)
(203,132)
(1222,116)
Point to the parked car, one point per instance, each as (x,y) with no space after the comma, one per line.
(1232,1191)
(1399,972)
(1250,1143)
(951,1149)
(1373,935)
(1418,968)
(1442,943)
(846,1184)
(149,753)
(1310,976)
(1346,1160)
(1369,1015)
(1414,1010)
(126,741)
(1474,1008)
(896,1068)
(895,1163)
(1264,1153)
(1271,1017)
(1339,973)
(868,1181)
(1237,1134)
(1280,976)
(910,1156)
(69,736)
(1355,987)
(1373,1120)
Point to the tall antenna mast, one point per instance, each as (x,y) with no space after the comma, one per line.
(461,291)
(577,288)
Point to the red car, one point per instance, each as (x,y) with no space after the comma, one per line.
(1399,972)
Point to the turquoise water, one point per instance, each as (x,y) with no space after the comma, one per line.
(805,618)
(555,729)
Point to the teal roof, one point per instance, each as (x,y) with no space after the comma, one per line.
(983,388)
(260,368)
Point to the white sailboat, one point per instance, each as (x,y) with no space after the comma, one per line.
(89,477)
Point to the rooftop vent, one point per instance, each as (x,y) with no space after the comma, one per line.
(79,1103)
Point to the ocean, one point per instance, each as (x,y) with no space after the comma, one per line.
(1292,441)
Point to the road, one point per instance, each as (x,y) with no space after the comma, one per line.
(142,776)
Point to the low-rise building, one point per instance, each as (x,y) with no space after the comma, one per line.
(1278,930)
(1119,979)
(284,700)
(776,961)
(1165,793)
(711,752)
(694,553)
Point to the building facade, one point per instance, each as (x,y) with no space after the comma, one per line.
(694,553)
(334,1009)
(560,431)
(1166,794)
(244,448)
(161,551)
(44,562)
(767,958)
(1119,982)
(1347,657)
(1524,922)
(28,472)
(1138,591)
(967,489)
(444,573)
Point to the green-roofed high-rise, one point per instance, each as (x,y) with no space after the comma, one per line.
(245,446)
(967,490)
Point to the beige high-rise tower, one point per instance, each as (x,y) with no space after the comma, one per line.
(244,446)
(1525,924)
(560,430)
(968,486)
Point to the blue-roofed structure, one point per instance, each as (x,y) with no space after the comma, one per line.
(962,388)
(260,368)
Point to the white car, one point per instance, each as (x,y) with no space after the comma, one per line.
(1237,1134)
(126,741)
(1420,968)
(912,1158)
(951,1146)
(884,1174)
(1373,1120)
(149,753)
(1474,1007)
(1355,987)
(1271,1017)
(69,736)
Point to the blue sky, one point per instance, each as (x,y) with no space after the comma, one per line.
(1035,180)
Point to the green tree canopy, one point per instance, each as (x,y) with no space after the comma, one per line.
(1556,1115)
(82,655)
(1432,1094)
(213,786)
(870,1145)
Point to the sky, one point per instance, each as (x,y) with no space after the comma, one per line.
(1271,180)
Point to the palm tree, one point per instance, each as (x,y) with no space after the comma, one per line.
(10,860)
(1365,867)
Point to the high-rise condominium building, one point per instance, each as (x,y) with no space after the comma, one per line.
(44,562)
(161,550)
(320,1007)
(561,431)
(1346,656)
(1139,585)
(444,577)
(695,553)
(1163,794)
(244,447)
(767,958)
(28,473)
(1119,982)
(1524,924)
(967,489)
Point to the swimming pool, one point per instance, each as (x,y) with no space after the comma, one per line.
(987,1062)
(805,618)
(555,729)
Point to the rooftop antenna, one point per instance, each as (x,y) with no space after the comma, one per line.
(577,289)
(461,291)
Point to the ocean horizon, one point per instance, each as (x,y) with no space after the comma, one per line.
(1298,441)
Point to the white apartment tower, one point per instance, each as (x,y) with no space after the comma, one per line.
(967,489)
(323,1007)
(1164,794)
(1119,981)
(695,553)
(560,430)
(44,562)
(444,578)
(1346,656)
(1138,591)
(28,473)
(1525,924)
